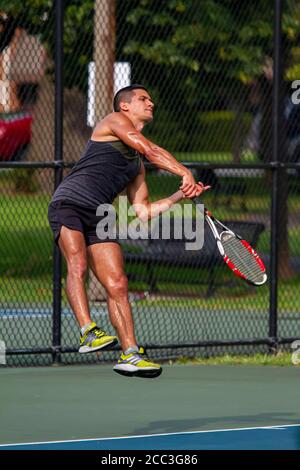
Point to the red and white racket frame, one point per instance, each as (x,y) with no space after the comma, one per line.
(210,220)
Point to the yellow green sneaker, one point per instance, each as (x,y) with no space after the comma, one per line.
(137,364)
(95,339)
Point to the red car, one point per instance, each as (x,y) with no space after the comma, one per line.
(15,135)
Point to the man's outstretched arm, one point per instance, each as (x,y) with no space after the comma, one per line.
(122,128)
(138,195)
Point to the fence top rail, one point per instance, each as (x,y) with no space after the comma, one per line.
(204,165)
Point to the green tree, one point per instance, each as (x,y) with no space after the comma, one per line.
(37,17)
(200,55)
(193,56)
(203,56)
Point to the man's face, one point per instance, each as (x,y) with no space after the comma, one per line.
(141,105)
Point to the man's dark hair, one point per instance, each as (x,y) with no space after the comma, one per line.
(125,94)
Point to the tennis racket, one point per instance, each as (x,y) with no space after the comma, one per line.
(236,252)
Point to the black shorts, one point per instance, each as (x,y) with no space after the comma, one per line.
(75,217)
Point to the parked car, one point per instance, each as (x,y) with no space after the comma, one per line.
(15,136)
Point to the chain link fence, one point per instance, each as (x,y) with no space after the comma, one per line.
(212,71)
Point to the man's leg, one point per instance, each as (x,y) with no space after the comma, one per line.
(73,247)
(106,260)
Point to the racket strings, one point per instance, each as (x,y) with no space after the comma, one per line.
(243,260)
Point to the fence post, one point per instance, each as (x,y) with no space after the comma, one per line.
(58,172)
(276,125)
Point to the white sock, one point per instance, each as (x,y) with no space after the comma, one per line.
(132,349)
(84,328)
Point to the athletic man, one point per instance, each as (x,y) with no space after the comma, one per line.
(111,163)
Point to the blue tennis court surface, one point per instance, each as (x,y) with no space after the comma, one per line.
(264,438)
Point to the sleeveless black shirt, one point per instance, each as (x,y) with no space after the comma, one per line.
(102,172)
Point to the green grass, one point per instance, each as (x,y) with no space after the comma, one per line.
(26,254)
(22,291)
(282,359)
(214,157)
(238,296)
(25,237)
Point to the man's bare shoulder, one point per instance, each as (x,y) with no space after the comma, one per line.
(115,117)
(105,128)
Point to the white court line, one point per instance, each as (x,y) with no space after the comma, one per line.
(278,427)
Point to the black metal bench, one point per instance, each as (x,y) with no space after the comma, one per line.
(225,185)
(172,253)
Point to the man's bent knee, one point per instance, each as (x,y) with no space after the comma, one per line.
(117,286)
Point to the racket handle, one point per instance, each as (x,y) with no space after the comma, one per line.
(197,200)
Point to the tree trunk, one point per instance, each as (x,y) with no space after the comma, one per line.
(75,131)
(104,58)
(41,148)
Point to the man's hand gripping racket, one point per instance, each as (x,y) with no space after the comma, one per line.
(236,252)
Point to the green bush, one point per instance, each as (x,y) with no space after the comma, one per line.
(212,131)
